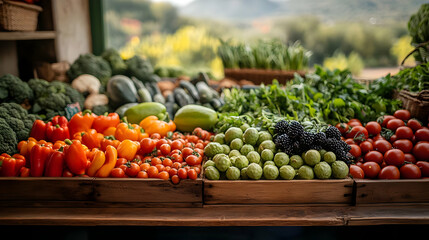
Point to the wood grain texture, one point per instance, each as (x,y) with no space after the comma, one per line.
(392,191)
(278,192)
(37,35)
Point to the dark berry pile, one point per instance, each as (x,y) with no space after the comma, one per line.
(293,139)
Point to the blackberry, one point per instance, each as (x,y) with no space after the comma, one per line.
(316,147)
(296,148)
(319,139)
(333,132)
(345,146)
(283,142)
(306,139)
(333,145)
(281,127)
(295,129)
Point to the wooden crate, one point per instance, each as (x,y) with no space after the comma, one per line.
(313,192)
(391,191)
(92,192)
(44,191)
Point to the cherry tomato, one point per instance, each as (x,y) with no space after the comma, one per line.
(393,138)
(378,137)
(382,146)
(192,174)
(165,149)
(385,119)
(373,128)
(199,146)
(197,169)
(404,133)
(147,145)
(350,141)
(402,114)
(192,160)
(172,172)
(142,174)
(182,173)
(155,161)
(404,145)
(422,134)
(193,138)
(354,122)
(424,168)
(355,150)
(356,172)
(414,124)
(163,175)
(343,127)
(132,169)
(176,165)
(155,136)
(123,167)
(144,166)
(395,124)
(120,161)
(394,157)
(371,169)
(389,172)
(176,144)
(152,172)
(161,142)
(176,157)
(187,151)
(160,167)
(175,179)
(410,171)
(366,146)
(370,140)
(421,151)
(117,173)
(409,158)
(374,156)
(358,133)
(167,162)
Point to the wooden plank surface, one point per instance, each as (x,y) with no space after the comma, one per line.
(392,191)
(36,35)
(278,192)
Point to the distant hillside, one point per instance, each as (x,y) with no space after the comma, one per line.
(336,10)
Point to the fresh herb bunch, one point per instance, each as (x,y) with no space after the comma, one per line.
(418,27)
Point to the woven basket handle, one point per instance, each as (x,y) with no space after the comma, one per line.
(414,50)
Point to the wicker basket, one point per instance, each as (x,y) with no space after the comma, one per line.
(416,103)
(18,16)
(258,76)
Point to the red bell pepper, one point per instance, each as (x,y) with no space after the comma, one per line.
(11,165)
(55,164)
(57,129)
(103,122)
(38,131)
(91,139)
(38,156)
(75,156)
(81,121)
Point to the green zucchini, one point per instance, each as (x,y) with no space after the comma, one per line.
(216,103)
(204,92)
(159,98)
(170,98)
(190,89)
(181,97)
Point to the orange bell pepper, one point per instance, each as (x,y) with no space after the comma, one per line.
(24,147)
(58,144)
(109,140)
(126,130)
(75,156)
(91,139)
(111,158)
(103,122)
(81,121)
(152,124)
(127,149)
(96,163)
(109,131)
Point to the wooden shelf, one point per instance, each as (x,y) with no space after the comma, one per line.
(227,215)
(37,35)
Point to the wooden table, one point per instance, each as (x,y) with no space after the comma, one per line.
(220,215)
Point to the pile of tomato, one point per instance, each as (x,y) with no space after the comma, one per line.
(393,147)
(174,158)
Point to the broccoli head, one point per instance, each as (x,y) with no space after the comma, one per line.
(102,109)
(90,64)
(52,98)
(7,138)
(117,64)
(13,89)
(140,68)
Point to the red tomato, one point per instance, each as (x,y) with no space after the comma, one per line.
(160,142)
(147,145)
(393,138)
(422,134)
(350,141)
(355,150)
(378,137)
(374,156)
(373,128)
(366,146)
(167,162)
(382,146)
(165,149)
(192,160)
(404,133)
(358,133)
(176,157)
(142,174)
(356,171)
(371,169)
(404,145)
(354,122)
(343,127)
(385,119)
(410,171)
(394,157)
(132,169)
(192,174)
(424,168)
(414,124)
(370,140)
(177,144)
(175,179)
(163,175)
(409,158)
(359,164)
(395,124)
(172,172)
(117,173)
(402,114)
(421,151)
(182,173)
(389,172)
(152,172)
(155,136)
(187,151)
